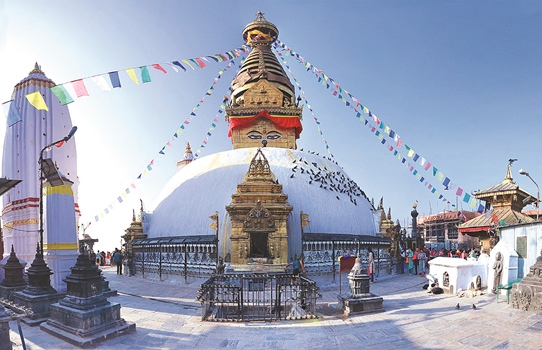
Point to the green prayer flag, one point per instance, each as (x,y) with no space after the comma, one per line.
(62,94)
(145,76)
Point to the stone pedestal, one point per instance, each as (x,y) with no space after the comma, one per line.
(85,317)
(360,300)
(5,343)
(108,292)
(527,294)
(356,306)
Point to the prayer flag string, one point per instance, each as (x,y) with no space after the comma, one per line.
(152,164)
(69,92)
(221,110)
(385,132)
(302,93)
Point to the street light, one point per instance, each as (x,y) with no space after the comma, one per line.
(523,172)
(49,172)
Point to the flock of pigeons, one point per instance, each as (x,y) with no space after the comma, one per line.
(324,178)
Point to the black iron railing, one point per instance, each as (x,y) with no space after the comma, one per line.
(258,297)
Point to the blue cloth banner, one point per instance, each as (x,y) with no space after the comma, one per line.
(12,113)
(115,81)
(178,64)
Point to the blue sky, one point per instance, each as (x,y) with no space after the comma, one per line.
(459,81)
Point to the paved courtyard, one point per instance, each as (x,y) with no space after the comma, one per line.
(167,316)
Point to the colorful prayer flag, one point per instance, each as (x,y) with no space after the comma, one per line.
(115,81)
(145,76)
(12,113)
(100,81)
(62,94)
(36,100)
(79,87)
(132,74)
(459,192)
(159,67)
(177,63)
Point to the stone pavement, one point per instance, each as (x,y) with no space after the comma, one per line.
(167,316)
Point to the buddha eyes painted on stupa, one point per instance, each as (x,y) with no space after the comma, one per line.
(256,135)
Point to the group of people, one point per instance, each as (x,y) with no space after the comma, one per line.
(417,260)
(118,258)
(463,254)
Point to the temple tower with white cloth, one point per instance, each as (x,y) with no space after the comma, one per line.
(24,140)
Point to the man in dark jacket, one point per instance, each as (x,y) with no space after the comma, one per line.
(117,258)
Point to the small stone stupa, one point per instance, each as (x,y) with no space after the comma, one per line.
(38,295)
(85,317)
(359,300)
(14,280)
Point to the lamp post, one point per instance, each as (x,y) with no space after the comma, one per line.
(43,162)
(523,172)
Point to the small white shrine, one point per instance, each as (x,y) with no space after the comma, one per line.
(455,274)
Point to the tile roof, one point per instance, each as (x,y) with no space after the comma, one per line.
(505,215)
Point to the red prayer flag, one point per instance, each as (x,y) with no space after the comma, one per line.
(459,191)
(200,62)
(79,87)
(427,165)
(159,67)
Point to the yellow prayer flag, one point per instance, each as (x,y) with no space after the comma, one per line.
(188,63)
(387,130)
(132,74)
(440,176)
(36,100)
(365,110)
(410,153)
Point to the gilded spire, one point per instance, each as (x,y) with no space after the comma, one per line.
(261,63)
(259,169)
(188,157)
(508,177)
(36,70)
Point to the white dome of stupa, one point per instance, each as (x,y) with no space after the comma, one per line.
(335,204)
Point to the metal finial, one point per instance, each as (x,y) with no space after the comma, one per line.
(260,17)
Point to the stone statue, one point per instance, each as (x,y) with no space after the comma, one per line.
(497,266)
(220,267)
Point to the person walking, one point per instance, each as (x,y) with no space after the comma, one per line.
(298,267)
(117,258)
